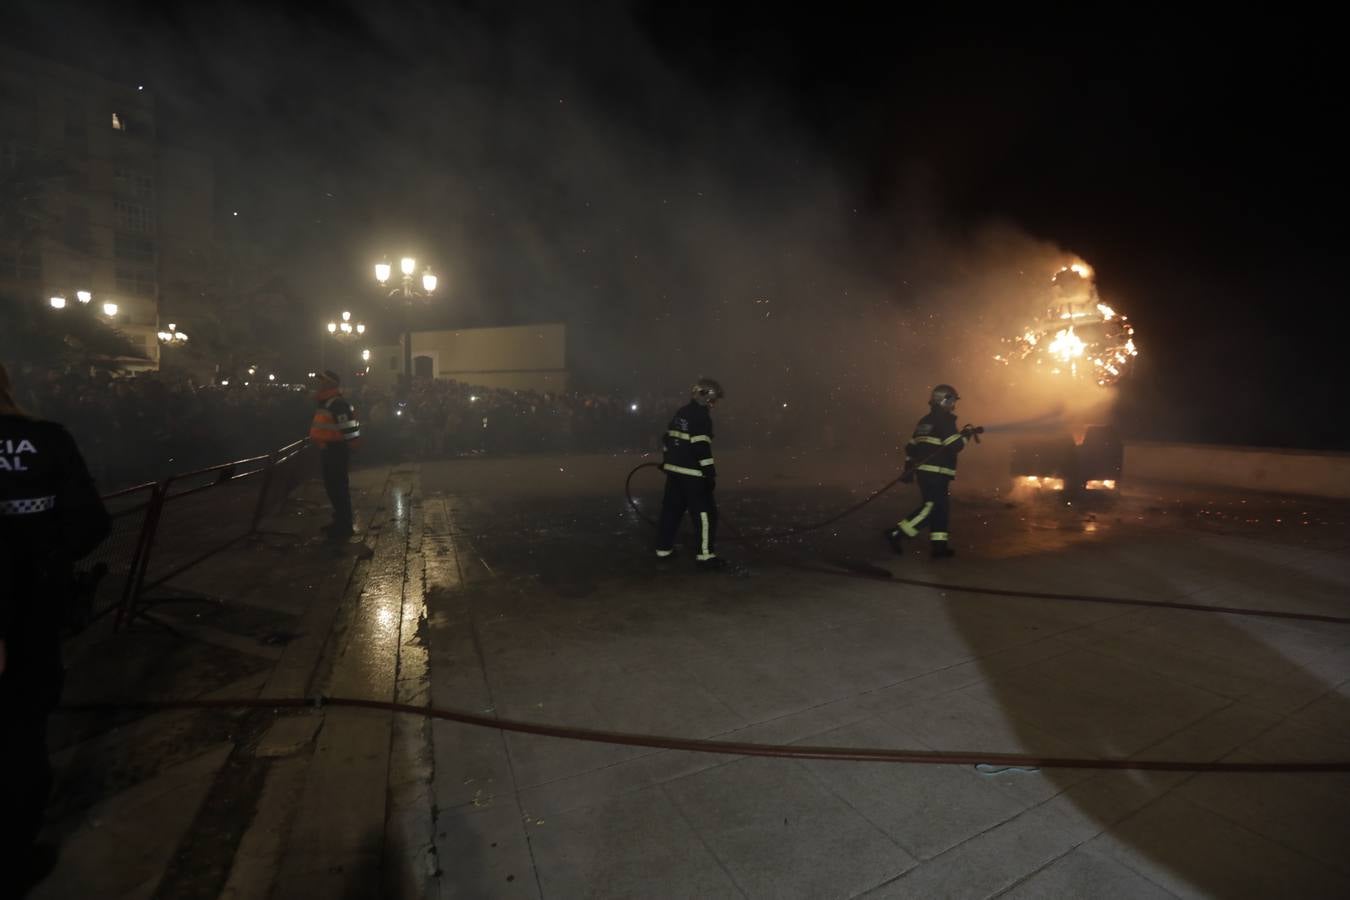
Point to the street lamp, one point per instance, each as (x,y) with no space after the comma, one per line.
(58,301)
(345,329)
(110,309)
(173,336)
(408,290)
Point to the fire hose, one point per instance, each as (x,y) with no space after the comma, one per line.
(989,762)
(973,432)
(883,574)
(728,748)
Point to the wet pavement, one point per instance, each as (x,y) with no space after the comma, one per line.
(558,614)
(526,589)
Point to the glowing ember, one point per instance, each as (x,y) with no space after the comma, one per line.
(1078,336)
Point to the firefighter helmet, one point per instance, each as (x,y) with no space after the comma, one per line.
(945,396)
(708,391)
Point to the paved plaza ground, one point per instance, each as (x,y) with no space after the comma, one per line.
(525,589)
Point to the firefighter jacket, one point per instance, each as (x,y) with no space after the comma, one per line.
(50,511)
(334,421)
(935,444)
(688,443)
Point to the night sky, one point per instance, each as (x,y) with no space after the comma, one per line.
(633,169)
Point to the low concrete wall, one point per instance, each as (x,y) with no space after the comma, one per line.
(1255,468)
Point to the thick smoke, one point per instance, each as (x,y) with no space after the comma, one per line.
(562,167)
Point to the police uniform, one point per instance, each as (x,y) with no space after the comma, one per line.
(691,476)
(50,516)
(335,430)
(931,453)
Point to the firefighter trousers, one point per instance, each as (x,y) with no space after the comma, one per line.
(685,492)
(933,509)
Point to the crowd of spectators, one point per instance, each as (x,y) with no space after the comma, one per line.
(145,427)
(442,418)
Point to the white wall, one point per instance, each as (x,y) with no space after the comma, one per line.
(1322,474)
(519,357)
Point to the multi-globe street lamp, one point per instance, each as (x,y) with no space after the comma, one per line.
(407,289)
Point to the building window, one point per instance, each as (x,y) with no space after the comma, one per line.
(140,282)
(77,138)
(78,234)
(132,248)
(117,123)
(20,265)
(133,217)
(135,184)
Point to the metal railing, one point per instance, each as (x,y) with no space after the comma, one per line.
(160,530)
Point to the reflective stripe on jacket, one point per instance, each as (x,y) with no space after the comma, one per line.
(334,421)
(688,443)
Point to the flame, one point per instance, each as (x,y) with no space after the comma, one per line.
(1079,336)
(1067,345)
(1079,268)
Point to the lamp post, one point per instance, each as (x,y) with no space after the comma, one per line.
(173,337)
(408,290)
(343,330)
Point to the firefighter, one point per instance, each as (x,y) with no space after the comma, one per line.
(50,516)
(691,476)
(930,456)
(336,432)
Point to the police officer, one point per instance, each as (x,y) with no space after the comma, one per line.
(335,431)
(50,516)
(691,475)
(931,455)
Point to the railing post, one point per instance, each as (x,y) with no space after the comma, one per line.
(262,493)
(140,561)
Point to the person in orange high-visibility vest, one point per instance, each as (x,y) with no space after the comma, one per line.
(335,431)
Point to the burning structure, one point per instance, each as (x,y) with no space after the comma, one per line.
(1089,346)
(1078,336)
